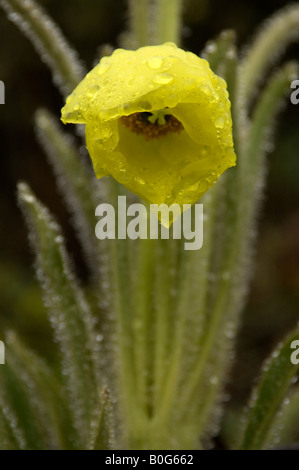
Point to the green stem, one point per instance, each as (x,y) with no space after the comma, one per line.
(191,297)
(263,117)
(216,316)
(272,40)
(168,21)
(48,40)
(179,334)
(142,323)
(140,14)
(166,251)
(124,331)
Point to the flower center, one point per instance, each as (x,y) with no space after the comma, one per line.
(152,125)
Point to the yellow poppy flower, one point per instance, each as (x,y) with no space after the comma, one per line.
(158,120)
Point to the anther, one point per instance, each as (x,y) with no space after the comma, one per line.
(152,125)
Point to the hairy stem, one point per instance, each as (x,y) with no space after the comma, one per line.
(48,40)
(168,21)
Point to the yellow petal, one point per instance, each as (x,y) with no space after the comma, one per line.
(119,84)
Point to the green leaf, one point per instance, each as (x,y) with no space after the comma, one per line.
(48,40)
(251,167)
(267,399)
(11,435)
(221,54)
(285,428)
(76,183)
(18,390)
(263,118)
(274,36)
(42,413)
(103,437)
(69,312)
(220,51)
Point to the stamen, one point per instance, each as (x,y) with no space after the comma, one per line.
(152,125)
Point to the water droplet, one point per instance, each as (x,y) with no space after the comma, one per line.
(155,62)
(219,123)
(163,78)
(103,67)
(139,180)
(214,380)
(229,334)
(211,48)
(230,330)
(170,44)
(28,198)
(231,54)
(206,89)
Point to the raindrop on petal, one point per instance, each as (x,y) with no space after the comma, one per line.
(219,123)
(155,62)
(163,78)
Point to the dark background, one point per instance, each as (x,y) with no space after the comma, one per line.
(272,307)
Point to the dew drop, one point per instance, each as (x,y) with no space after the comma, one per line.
(155,62)
(139,180)
(99,338)
(231,54)
(219,123)
(28,198)
(229,334)
(206,89)
(214,380)
(163,78)
(170,44)
(104,66)
(211,48)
